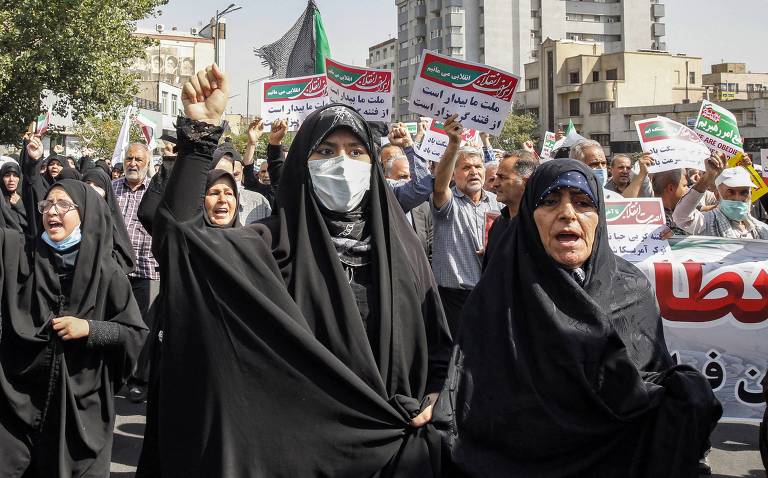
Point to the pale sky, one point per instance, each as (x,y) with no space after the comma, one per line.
(705,28)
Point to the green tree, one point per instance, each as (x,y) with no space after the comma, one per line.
(78,49)
(518,128)
(100,134)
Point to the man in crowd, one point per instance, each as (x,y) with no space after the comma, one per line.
(265,184)
(591,153)
(418,188)
(459,221)
(509,185)
(671,186)
(622,177)
(398,174)
(145,279)
(253,206)
(490,174)
(731,217)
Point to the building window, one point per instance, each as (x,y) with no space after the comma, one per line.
(456,30)
(455,10)
(456,50)
(419,2)
(403,81)
(595,76)
(403,8)
(573,77)
(750,118)
(174,105)
(574,107)
(414,60)
(403,63)
(164,102)
(692,77)
(600,107)
(403,27)
(603,139)
(612,74)
(533,84)
(403,45)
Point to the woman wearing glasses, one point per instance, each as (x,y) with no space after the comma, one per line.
(71,332)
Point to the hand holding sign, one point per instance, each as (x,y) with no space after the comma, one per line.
(35,148)
(453,129)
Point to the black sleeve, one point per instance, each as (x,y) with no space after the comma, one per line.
(33,191)
(185,189)
(275,162)
(250,180)
(151,200)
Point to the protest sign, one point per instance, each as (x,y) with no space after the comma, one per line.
(413,128)
(435,141)
(764,158)
(479,94)
(713,296)
(671,145)
(547,146)
(368,91)
(717,127)
(635,227)
(292,99)
(760,187)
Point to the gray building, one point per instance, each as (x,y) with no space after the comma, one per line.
(383,56)
(507,33)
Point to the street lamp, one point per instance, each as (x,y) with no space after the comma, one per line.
(215,33)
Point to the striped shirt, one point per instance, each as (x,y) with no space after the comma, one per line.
(459,232)
(128,200)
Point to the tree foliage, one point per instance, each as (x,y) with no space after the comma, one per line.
(518,128)
(100,133)
(78,49)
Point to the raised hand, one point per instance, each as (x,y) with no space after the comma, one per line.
(276,135)
(528,146)
(454,129)
(205,95)
(35,148)
(255,130)
(399,136)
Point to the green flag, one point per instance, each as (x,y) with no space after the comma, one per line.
(322,50)
(570,128)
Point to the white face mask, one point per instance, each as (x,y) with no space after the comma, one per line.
(340,183)
(601,174)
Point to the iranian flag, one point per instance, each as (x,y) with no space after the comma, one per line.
(302,50)
(43,121)
(147,129)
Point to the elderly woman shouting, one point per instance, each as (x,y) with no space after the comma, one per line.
(564,371)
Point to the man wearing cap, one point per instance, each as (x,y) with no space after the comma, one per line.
(731,217)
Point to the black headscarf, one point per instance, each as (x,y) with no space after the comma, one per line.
(213,176)
(559,379)
(70,384)
(49,180)
(267,333)
(69,173)
(14,215)
(123,249)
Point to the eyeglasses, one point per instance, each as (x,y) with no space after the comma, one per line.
(62,206)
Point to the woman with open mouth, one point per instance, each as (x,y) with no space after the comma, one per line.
(71,332)
(565,371)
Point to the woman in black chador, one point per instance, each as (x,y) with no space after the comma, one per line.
(71,331)
(564,371)
(312,344)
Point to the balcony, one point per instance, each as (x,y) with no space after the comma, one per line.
(657,10)
(435,6)
(436,44)
(421,29)
(658,29)
(421,11)
(566,89)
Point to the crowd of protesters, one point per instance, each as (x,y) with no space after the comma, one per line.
(341,309)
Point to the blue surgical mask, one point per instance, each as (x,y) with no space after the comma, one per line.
(734,210)
(601,174)
(71,240)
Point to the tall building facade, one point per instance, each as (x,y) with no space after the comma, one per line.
(507,33)
(578,82)
(732,81)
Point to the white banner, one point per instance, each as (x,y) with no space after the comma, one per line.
(713,296)
(292,99)
(671,145)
